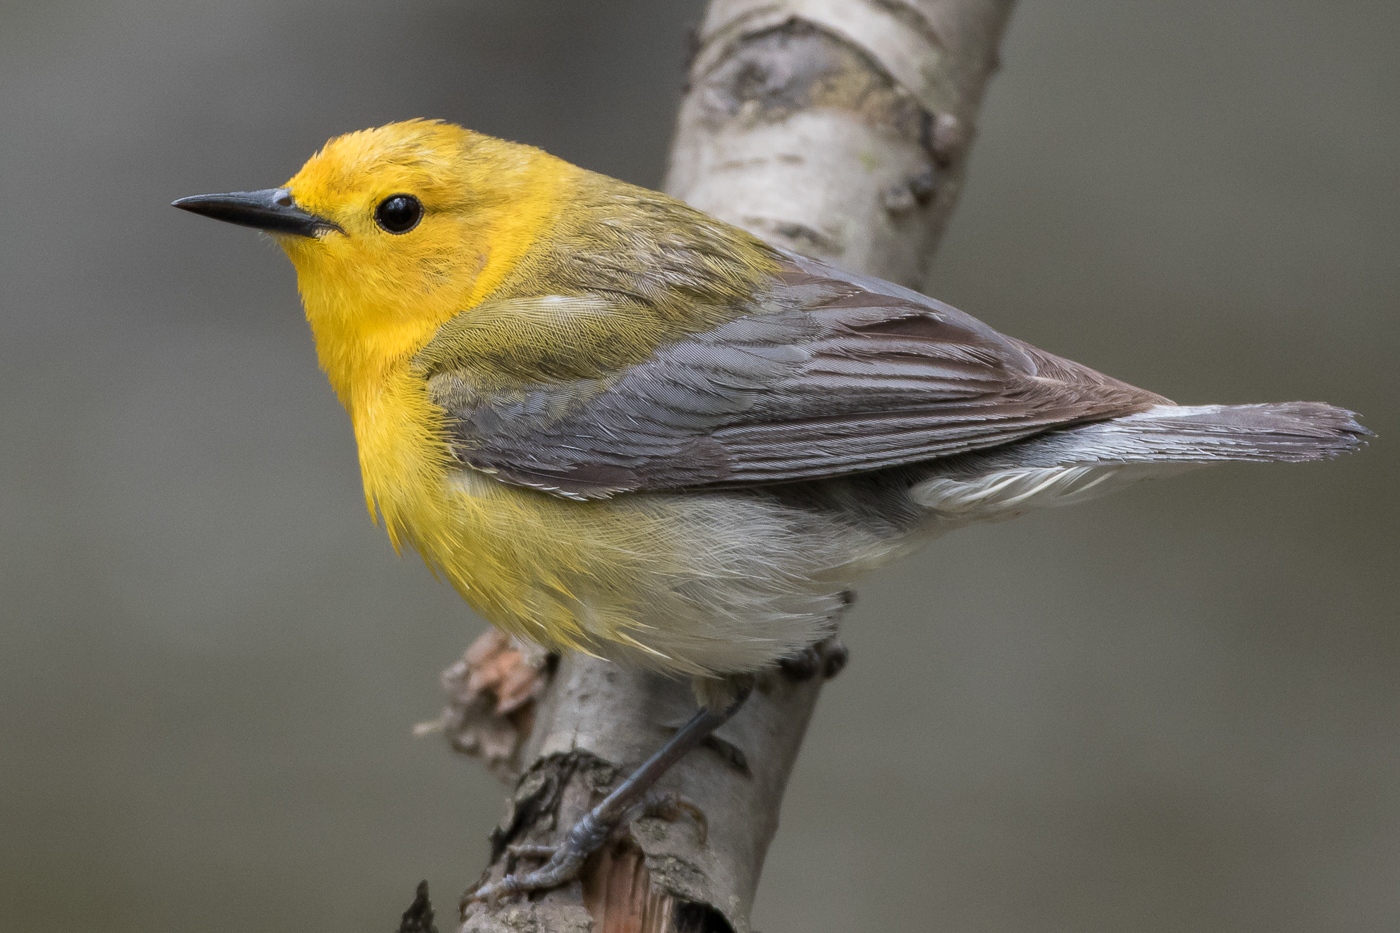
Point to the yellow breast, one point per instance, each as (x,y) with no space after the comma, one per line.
(559,572)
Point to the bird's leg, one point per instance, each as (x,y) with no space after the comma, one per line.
(631,798)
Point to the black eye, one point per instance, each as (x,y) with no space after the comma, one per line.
(399,213)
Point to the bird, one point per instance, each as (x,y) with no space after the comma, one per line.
(618,425)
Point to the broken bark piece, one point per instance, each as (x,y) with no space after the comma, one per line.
(491,693)
(419,916)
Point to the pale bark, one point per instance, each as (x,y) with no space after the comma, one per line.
(839,129)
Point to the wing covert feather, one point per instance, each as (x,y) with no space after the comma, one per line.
(826,373)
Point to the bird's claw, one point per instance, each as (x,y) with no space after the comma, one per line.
(826,658)
(588,835)
(523,850)
(563,866)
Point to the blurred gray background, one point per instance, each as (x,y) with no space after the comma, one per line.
(1176,709)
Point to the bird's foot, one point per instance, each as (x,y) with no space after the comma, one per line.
(826,658)
(564,861)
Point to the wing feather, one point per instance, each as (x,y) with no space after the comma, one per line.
(827,373)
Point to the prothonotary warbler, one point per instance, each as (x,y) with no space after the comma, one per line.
(619,425)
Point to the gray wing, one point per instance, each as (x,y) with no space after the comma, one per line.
(828,374)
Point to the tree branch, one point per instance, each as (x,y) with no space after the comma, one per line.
(840,129)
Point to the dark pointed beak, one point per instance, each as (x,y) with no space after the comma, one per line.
(271,209)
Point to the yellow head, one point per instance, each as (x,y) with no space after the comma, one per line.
(396,229)
(431,218)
